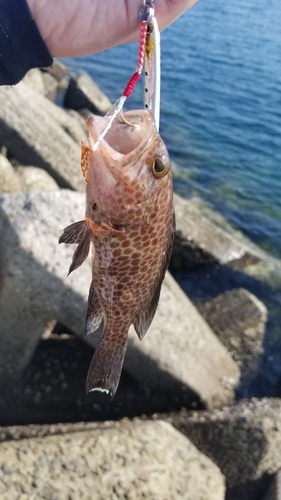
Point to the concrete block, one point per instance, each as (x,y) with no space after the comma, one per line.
(179,348)
(130,460)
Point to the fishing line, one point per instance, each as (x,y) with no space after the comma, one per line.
(149,37)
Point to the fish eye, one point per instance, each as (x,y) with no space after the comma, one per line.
(158,168)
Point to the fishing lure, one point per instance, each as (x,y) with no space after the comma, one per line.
(149,59)
(152,70)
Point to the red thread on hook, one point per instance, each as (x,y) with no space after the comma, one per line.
(136,76)
(131,84)
(143,30)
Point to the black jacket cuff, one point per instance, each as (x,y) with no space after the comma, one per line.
(21,45)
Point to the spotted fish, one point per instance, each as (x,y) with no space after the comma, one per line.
(130,222)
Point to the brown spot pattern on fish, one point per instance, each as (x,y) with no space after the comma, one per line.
(130,221)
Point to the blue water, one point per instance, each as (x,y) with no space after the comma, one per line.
(220,108)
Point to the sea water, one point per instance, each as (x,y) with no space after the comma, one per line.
(220,108)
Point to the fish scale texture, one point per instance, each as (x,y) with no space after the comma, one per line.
(131,460)
(130,218)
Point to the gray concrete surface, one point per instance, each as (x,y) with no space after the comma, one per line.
(35,289)
(131,460)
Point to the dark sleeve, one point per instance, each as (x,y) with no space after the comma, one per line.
(21,45)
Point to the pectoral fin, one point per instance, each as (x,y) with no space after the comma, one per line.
(81,252)
(103,230)
(77,233)
(74,233)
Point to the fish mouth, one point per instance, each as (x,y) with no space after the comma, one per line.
(129,136)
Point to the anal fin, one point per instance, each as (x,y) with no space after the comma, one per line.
(106,366)
(94,312)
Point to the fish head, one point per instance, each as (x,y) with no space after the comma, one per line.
(129,170)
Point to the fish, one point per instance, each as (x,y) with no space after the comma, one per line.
(130,224)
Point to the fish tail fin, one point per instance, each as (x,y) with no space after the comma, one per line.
(106,366)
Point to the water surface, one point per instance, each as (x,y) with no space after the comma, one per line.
(220,108)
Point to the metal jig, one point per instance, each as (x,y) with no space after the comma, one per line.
(149,55)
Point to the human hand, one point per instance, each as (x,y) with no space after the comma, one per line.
(72,28)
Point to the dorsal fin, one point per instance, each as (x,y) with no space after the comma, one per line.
(146,314)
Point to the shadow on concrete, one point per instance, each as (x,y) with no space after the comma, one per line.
(209,281)
(44,380)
